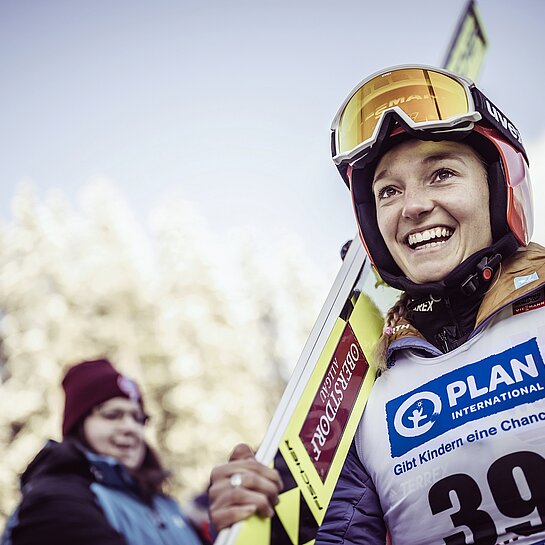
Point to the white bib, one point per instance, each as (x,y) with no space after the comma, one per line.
(455,444)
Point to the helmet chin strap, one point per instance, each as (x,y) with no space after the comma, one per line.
(486,269)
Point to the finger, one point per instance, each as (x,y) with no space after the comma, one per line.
(238,497)
(223,518)
(249,467)
(242,453)
(267,484)
(224,491)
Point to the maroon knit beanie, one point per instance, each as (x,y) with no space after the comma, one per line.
(89,384)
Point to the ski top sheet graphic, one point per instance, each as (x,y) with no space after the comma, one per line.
(313,427)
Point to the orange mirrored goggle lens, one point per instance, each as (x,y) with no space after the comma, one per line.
(424,95)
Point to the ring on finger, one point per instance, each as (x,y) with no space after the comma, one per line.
(235,480)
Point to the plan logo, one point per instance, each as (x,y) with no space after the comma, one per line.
(470,392)
(417,414)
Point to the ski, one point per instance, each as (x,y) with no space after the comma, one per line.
(314,424)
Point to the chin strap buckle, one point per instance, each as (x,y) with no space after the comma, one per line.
(486,269)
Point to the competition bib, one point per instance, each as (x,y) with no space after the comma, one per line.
(457,442)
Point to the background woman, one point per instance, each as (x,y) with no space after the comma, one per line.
(103,484)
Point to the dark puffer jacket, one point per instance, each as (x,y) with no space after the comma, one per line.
(73,496)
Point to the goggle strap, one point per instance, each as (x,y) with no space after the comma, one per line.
(497,119)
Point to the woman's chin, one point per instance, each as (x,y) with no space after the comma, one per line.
(432,273)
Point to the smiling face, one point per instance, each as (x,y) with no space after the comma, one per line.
(432,206)
(116,428)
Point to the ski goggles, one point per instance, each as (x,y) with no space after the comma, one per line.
(419,98)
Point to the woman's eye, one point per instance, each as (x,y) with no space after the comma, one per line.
(120,415)
(442,174)
(112,415)
(386,192)
(140,418)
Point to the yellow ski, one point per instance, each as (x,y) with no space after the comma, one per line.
(315,422)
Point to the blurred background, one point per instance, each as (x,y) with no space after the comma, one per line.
(168,198)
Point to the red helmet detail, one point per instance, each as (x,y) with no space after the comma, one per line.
(520,210)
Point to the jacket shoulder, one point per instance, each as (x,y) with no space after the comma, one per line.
(58,505)
(520,275)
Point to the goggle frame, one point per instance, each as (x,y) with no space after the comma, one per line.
(463,122)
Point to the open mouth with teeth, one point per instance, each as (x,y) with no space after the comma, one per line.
(429,237)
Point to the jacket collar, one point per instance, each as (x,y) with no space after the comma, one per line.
(515,279)
(109,471)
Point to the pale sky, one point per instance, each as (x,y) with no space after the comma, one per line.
(228,104)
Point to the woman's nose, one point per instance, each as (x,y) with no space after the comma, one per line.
(129,423)
(416,202)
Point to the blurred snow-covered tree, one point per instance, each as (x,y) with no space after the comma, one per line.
(210,325)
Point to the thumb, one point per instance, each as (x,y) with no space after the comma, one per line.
(241,452)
